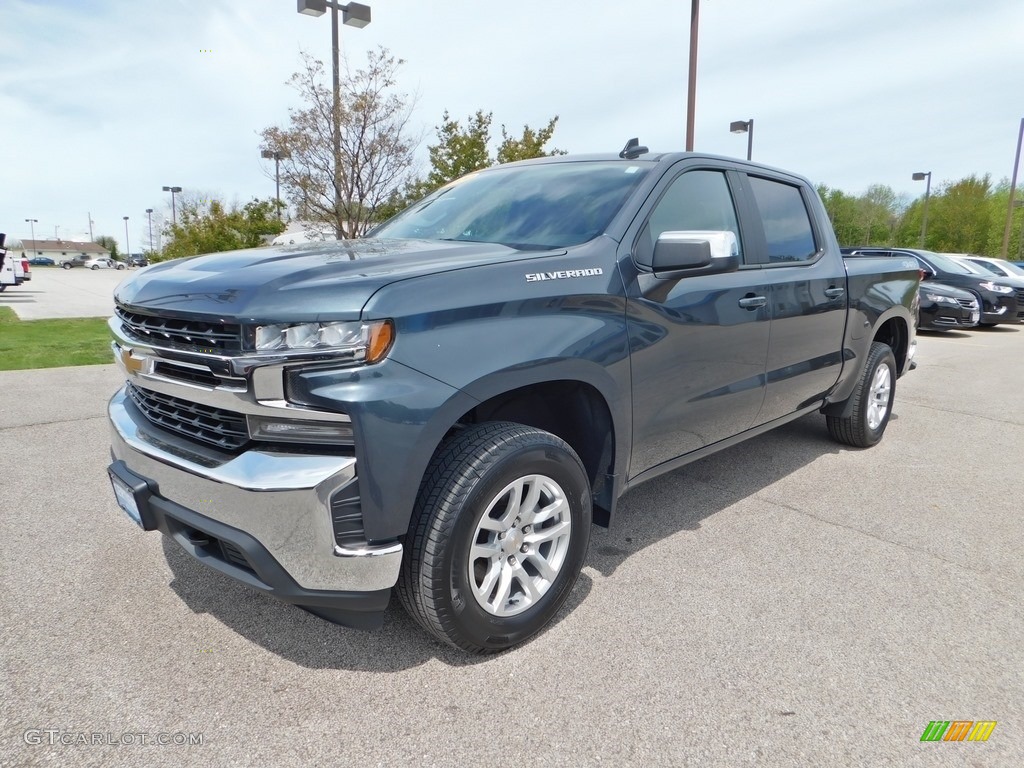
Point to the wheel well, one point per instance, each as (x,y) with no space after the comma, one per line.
(894,333)
(575,412)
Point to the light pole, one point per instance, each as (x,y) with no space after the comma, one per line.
(174,212)
(927,192)
(355,15)
(127,245)
(1013,189)
(278,156)
(747,127)
(691,81)
(32,225)
(149,213)
(1020,236)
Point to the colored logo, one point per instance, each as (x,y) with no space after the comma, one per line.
(958,730)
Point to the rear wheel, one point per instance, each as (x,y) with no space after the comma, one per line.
(498,536)
(872,401)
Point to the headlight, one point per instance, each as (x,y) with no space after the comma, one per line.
(359,342)
(941,299)
(988,285)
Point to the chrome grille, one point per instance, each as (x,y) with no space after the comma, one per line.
(214,426)
(180,333)
(967,303)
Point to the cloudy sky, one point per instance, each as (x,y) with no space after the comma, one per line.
(103,102)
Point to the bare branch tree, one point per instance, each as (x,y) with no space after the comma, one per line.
(377,144)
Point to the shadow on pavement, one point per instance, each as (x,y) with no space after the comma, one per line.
(312,642)
(680,500)
(661,508)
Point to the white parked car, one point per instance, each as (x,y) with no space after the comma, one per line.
(92,262)
(14,268)
(1000,267)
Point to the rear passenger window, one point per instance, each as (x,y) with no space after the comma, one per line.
(787,227)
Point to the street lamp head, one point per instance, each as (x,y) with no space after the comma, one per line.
(125,218)
(921,176)
(739,126)
(313,7)
(149,210)
(172,189)
(355,15)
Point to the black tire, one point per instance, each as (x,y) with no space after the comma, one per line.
(858,428)
(94,267)
(467,476)
(65,265)
(3,288)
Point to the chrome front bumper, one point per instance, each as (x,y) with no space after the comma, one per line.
(280,499)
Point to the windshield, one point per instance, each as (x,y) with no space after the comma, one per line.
(1002,267)
(948,264)
(526,207)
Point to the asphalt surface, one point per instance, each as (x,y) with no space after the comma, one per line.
(787,602)
(55,292)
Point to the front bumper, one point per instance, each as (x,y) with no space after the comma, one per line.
(941,317)
(1001,308)
(261,517)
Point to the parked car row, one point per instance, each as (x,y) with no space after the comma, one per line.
(961,290)
(93,262)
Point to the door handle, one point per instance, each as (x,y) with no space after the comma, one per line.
(834,293)
(753,302)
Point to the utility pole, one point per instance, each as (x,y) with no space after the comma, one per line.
(91,238)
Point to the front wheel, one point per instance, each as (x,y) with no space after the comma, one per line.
(65,265)
(498,536)
(872,401)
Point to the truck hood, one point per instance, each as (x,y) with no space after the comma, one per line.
(298,283)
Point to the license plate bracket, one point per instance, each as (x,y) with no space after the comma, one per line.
(132,494)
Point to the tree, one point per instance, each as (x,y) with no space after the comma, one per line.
(376,144)
(208,226)
(461,150)
(109,243)
(959,216)
(529,145)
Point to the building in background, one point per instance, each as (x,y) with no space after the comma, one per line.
(62,250)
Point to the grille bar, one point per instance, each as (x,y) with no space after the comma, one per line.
(967,303)
(224,429)
(181,333)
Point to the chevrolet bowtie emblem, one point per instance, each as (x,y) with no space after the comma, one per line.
(132,363)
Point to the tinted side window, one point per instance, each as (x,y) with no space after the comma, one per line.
(696,201)
(787,227)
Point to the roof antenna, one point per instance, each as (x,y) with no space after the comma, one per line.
(633,150)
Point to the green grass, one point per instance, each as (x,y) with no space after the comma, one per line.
(52,343)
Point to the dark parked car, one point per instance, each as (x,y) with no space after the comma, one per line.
(1001,299)
(42,261)
(138,261)
(944,307)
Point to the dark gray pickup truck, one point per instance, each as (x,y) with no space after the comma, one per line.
(446,407)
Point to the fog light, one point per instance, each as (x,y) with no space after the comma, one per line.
(295,431)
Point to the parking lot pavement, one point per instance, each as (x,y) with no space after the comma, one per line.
(55,292)
(785,602)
